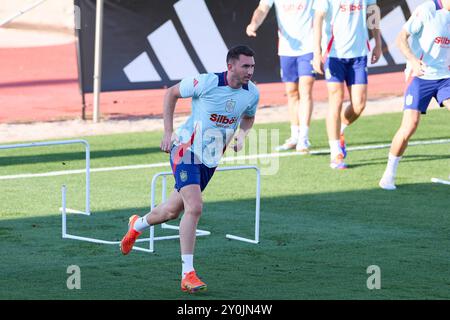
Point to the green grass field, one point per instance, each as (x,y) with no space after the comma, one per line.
(320,229)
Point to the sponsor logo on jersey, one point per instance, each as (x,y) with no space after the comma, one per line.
(351,7)
(221,119)
(292,7)
(443,41)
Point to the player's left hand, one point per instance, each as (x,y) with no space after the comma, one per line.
(251,30)
(447,104)
(238,144)
(376,54)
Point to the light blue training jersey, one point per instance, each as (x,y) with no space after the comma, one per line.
(295,26)
(346,20)
(429,27)
(216,113)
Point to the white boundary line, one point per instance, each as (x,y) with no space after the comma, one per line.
(224,160)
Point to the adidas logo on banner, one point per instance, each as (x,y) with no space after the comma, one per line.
(172,54)
(210,47)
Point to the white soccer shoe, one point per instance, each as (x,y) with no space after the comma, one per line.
(303,146)
(289,144)
(387,183)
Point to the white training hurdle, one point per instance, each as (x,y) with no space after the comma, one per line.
(87,210)
(64,210)
(152,238)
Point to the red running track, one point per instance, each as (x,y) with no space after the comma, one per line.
(41,84)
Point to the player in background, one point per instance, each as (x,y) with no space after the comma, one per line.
(341,46)
(429,64)
(220,103)
(295,49)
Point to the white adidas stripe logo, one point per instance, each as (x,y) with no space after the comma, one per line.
(174,58)
(211,48)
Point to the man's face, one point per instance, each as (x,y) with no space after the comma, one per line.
(242,69)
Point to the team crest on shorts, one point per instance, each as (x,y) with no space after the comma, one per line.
(183,175)
(327,73)
(409,100)
(229,106)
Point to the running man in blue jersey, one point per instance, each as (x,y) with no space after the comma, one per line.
(220,103)
(295,48)
(429,64)
(341,46)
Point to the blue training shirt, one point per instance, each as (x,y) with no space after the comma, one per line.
(295,26)
(345,24)
(429,27)
(217,110)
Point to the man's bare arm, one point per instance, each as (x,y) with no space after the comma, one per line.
(170,101)
(257,19)
(318,23)
(244,128)
(402,42)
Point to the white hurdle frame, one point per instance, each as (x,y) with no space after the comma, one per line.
(87,209)
(199,232)
(441,181)
(151,240)
(64,210)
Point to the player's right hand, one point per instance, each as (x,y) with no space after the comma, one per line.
(166,142)
(251,30)
(317,64)
(418,67)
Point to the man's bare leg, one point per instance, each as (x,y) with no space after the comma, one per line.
(305,112)
(335,101)
(410,122)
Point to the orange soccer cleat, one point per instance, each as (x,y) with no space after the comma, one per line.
(126,245)
(191,283)
(338,162)
(343,145)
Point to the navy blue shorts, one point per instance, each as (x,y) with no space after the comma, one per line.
(292,68)
(352,71)
(420,92)
(187,169)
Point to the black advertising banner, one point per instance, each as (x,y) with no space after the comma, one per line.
(154,43)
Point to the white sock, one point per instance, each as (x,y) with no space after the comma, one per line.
(187,263)
(343,126)
(391,168)
(303,132)
(335,148)
(141,224)
(294,132)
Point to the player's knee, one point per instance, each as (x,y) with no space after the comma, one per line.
(292,94)
(194,209)
(336,97)
(172,214)
(359,105)
(409,129)
(306,95)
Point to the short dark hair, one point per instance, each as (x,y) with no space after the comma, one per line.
(235,52)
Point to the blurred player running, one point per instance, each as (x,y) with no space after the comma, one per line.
(345,43)
(295,48)
(429,64)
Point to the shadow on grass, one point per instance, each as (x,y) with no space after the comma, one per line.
(73,156)
(317,241)
(406,159)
